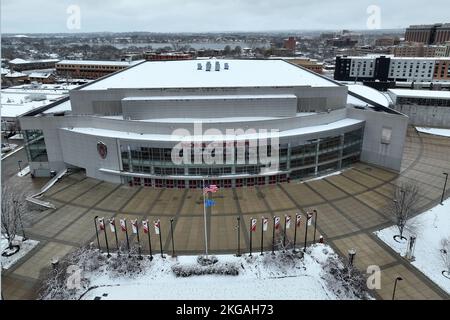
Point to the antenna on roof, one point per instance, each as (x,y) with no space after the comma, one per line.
(226,67)
(199,66)
(208,66)
(217,66)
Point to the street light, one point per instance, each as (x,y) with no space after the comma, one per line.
(351,256)
(445,186)
(395,286)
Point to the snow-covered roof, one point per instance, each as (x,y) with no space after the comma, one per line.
(184,74)
(60,107)
(101,62)
(213,97)
(369,93)
(420,93)
(39,75)
(22,61)
(176,138)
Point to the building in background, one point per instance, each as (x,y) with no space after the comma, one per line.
(91,69)
(121,128)
(22,65)
(386,41)
(310,64)
(169,56)
(290,44)
(389,68)
(428,34)
(42,77)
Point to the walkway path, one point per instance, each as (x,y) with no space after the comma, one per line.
(351,207)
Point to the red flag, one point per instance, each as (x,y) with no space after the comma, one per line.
(253,227)
(265,223)
(123,225)
(277,222)
(101,222)
(298,218)
(157,226)
(211,188)
(145,225)
(288,222)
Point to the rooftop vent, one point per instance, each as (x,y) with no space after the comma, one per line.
(208,66)
(217,66)
(226,67)
(199,66)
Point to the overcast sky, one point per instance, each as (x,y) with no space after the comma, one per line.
(25,16)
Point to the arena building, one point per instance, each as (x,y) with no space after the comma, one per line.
(123,128)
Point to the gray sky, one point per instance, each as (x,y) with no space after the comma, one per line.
(24,16)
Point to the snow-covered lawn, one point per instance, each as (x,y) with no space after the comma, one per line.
(430,228)
(260,277)
(435,131)
(25,247)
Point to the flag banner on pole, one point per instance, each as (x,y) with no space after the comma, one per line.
(209,203)
(145,225)
(112,225)
(123,225)
(157,226)
(253,228)
(309,218)
(134,225)
(211,188)
(277,222)
(101,223)
(298,218)
(288,222)
(265,223)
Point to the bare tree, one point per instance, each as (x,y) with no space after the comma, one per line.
(403,205)
(13,207)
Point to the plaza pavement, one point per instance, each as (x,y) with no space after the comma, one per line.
(350,206)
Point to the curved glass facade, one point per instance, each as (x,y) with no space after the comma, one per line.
(148,166)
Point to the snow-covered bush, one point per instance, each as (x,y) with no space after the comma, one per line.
(344,280)
(125,265)
(205,266)
(66,277)
(206,260)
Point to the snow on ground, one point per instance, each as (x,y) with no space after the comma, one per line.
(25,247)
(17,136)
(259,278)
(335,173)
(435,131)
(24,172)
(429,227)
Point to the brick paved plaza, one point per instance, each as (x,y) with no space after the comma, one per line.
(350,206)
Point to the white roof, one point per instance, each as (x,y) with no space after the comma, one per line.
(184,74)
(63,106)
(101,62)
(175,138)
(420,93)
(22,61)
(39,75)
(369,93)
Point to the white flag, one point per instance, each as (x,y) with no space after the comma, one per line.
(157,226)
(309,218)
(112,225)
(253,228)
(288,222)
(298,218)
(277,222)
(101,222)
(145,225)
(123,225)
(134,225)
(265,223)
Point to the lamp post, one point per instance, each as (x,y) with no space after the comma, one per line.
(445,186)
(96,231)
(171,232)
(20,166)
(351,256)
(395,286)
(315,224)
(238,228)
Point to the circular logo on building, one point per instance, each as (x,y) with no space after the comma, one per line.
(102,149)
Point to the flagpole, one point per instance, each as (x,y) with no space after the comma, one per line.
(138,240)
(262,235)
(126,235)
(115,233)
(251,231)
(204,218)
